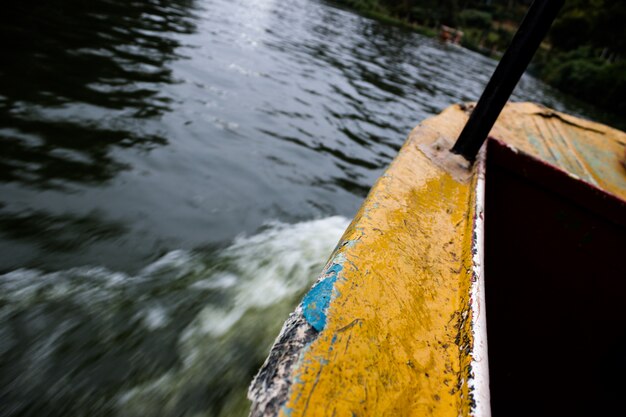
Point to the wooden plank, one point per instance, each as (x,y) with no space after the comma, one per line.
(586,150)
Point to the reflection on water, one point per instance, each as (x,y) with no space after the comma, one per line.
(188,122)
(109,54)
(73,76)
(57,233)
(155,132)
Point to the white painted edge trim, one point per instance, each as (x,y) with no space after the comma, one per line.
(479,382)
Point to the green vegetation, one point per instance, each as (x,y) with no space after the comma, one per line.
(586,53)
(583,55)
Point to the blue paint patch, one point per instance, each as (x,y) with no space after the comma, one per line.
(317,300)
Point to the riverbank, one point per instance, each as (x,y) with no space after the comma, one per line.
(578,59)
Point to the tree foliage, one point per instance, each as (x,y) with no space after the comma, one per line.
(586,59)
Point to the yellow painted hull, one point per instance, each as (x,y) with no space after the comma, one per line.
(395,325)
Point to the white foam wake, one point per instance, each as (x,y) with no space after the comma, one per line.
(191,325)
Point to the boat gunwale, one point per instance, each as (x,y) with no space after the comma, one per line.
(557,180)
(510,146)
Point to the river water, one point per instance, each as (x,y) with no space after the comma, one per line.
(173,174)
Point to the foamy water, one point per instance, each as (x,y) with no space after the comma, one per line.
(183,336)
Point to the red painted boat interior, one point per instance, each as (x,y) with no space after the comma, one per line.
(555,280)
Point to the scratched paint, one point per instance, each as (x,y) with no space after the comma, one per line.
(389,342)
(478,387)
(398,316)
(587,150)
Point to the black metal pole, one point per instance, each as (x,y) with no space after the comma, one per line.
(533,29)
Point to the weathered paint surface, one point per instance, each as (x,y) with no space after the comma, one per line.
(394,332)
(589,151)
(395,325)
(396,337)
(316,302)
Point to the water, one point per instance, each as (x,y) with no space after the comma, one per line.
(183,335)
(173,174)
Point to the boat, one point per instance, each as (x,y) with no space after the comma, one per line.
(470,290)
(450,35)
(483,275)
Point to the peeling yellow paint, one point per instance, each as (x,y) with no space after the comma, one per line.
(390,343)
(398,337)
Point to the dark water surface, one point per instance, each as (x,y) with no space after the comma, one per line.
(173,174)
